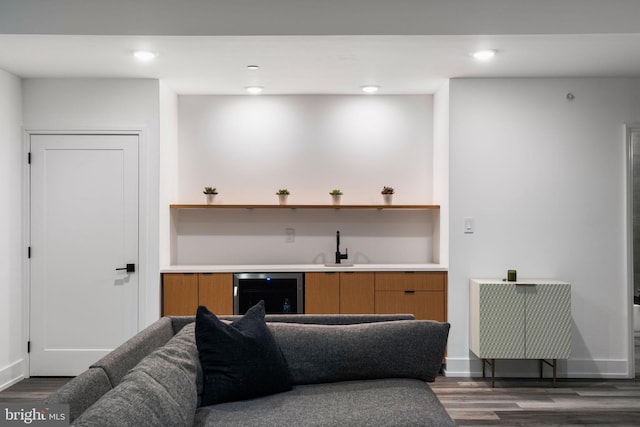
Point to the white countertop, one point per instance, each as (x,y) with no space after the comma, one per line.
(242,268)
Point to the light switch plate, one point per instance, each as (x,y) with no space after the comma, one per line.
(469,227)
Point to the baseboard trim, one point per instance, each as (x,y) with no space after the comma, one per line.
(11,374)
(572,368)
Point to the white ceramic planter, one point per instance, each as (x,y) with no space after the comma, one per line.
(335,199)
(210,198)
(387,199)
(282,199)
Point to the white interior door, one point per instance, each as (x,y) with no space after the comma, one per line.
(84,226)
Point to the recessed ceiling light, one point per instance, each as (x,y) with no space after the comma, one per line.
(144,55)
(254,90)
(253,67)
(369,88)
(484,55)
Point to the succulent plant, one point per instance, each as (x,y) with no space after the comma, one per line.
(336,192)
(210,190)
(282,192)
(387,190)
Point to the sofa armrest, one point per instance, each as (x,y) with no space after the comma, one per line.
(121,360)
(81,392)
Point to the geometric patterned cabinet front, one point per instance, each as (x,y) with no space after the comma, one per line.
(520,320)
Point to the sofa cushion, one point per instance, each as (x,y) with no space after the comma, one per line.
(240,360)
(160,390)
(397,349)
(380,403)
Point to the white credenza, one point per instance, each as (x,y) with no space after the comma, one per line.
(526,319)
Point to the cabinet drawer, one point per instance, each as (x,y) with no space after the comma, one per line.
(411,281)
(423,305)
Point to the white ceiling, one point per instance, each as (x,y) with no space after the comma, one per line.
(318,64)
(204,47)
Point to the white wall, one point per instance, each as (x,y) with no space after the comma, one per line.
(250,146)
(544,179)
(12,255)
(441,172)
(169,169)
(111,105)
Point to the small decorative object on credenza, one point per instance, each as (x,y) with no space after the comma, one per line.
(336,195)
(511,276)
(387,195)
(210,192)
(282,194)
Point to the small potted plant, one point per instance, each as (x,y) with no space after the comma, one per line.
(336,196)
(282,194)
(387,195)
(210,192)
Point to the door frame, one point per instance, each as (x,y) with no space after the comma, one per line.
(630,129)
(143,215)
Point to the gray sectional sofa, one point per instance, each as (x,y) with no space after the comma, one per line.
(346,370)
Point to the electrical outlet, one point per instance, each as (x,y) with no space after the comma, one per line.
(290,235)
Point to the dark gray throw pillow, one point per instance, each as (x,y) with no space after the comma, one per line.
(240,360)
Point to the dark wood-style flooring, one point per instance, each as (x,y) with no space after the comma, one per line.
(32,389)
(534,402)
(472,401)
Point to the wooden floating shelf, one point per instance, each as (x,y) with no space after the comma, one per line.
(221,206)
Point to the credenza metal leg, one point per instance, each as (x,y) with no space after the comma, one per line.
(541,367)
(491,362)
(554,366)
(493,373)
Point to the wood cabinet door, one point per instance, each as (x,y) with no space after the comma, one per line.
(215,291)
(357,294)
(179,294)
(322,293)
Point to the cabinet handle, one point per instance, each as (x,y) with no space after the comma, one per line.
(409,292)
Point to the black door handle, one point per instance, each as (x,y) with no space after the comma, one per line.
(131,268)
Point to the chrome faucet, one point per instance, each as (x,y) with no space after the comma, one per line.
(339,256)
